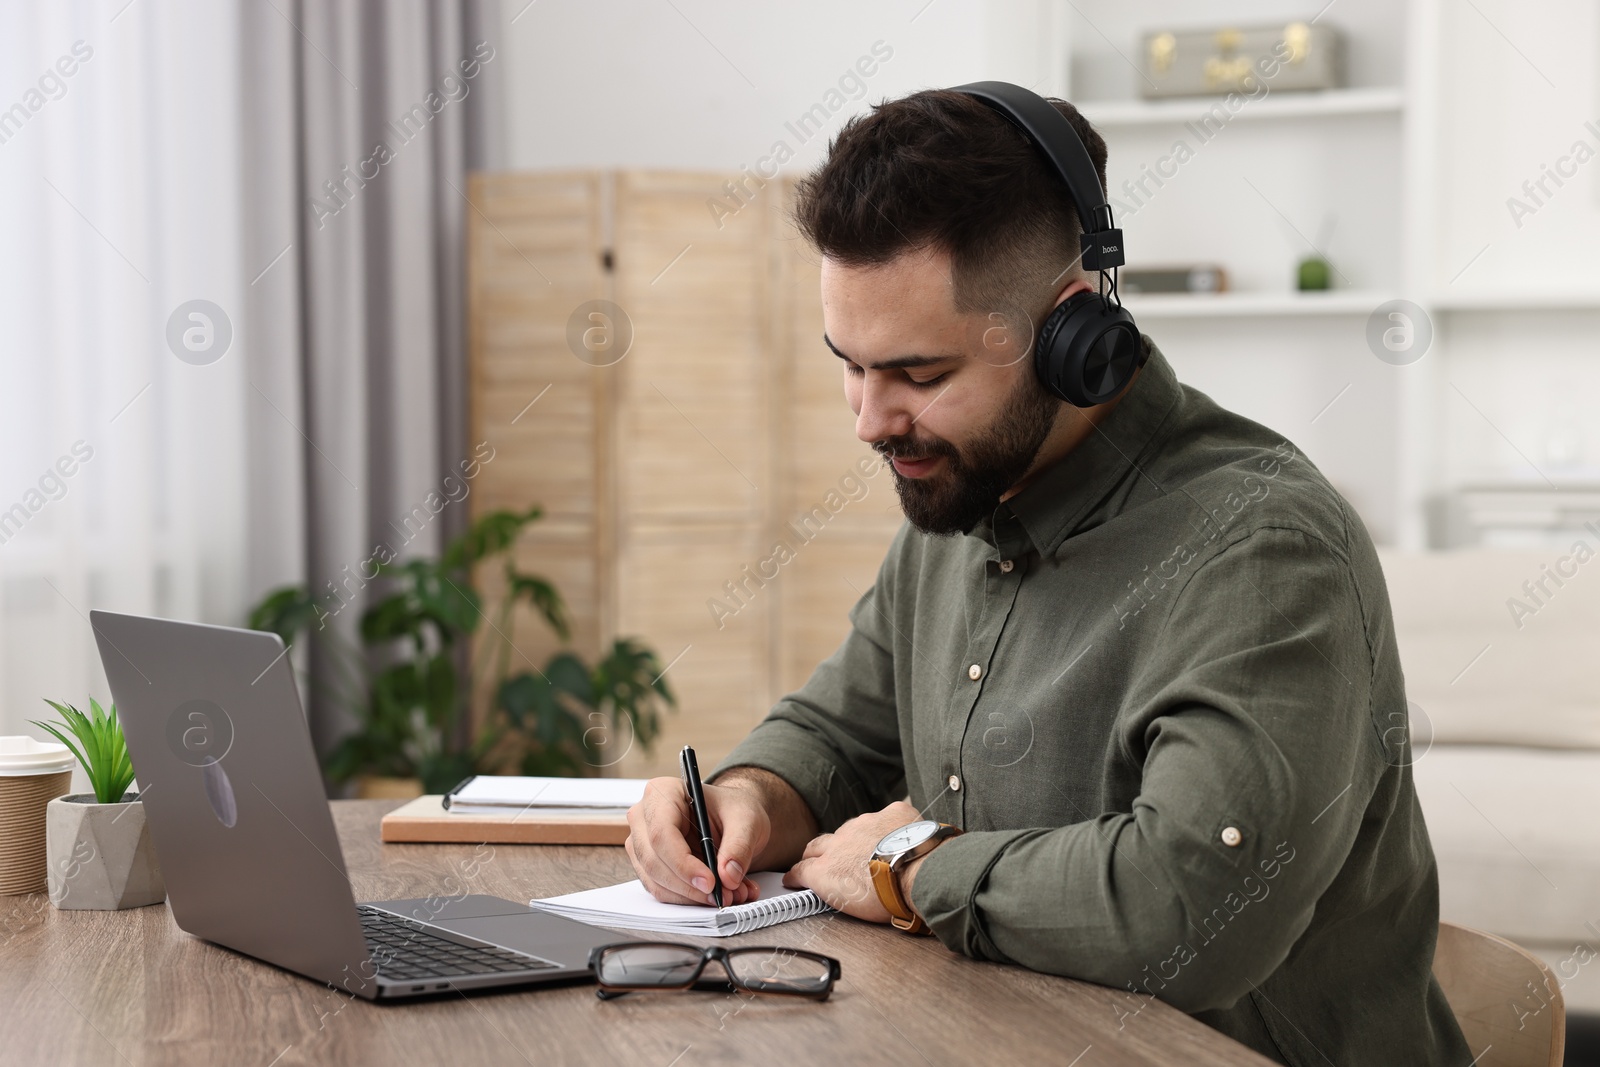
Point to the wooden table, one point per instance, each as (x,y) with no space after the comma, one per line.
(80,987)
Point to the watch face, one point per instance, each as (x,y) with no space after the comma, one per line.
(908,836)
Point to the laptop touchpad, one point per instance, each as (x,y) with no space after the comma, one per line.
(537,933)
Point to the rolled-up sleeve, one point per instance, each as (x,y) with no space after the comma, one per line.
(836,739)
(1253,728)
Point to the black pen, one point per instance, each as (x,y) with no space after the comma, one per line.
(702,817)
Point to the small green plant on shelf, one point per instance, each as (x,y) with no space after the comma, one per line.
(101,749)
(404,689)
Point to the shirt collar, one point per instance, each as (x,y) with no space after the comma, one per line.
(1056,502)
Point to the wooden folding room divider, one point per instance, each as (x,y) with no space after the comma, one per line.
(702,491)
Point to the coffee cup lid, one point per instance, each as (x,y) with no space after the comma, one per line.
(22,755)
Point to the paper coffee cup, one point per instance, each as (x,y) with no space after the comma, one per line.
(32,773)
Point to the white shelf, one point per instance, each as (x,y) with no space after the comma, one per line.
(1281,105)
(1505,300)
(1241,305)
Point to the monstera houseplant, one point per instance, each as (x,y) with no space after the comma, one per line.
(409,697)
(97,844)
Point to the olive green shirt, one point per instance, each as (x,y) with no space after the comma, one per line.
(1159,690)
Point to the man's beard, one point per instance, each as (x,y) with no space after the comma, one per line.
(952,500)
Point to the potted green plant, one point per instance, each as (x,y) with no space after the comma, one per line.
(97,845)
(408,696)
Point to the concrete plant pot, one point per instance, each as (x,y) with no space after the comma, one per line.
(100,855)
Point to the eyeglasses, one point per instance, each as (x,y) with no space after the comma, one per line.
(631,966)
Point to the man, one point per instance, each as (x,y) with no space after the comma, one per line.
(1140,652)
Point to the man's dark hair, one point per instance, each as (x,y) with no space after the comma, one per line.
(940,170)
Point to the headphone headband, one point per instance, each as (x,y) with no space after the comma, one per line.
(1053,135)
(1088,348)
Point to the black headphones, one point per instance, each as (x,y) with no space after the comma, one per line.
(1088,347)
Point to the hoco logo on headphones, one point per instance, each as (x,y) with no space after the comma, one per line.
(1088,347)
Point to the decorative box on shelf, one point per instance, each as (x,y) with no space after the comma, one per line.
(1182,278)
(1296,57)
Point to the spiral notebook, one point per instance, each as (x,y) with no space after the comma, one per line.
(630,906)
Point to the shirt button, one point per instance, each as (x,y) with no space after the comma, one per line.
(1231,836)
(1006,565)
(955,783)
(975,672)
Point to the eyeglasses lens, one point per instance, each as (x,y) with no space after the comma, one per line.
(776,970)
(648,965)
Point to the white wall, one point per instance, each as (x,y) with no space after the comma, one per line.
(710,84)
(1519,95)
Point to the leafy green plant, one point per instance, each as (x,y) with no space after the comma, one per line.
(104,752)
(406,691)
(560,720)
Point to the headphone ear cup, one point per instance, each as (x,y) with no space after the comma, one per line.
(1088,350)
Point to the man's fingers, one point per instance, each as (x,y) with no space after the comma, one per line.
(795,877)
(743,893)
(816,846)
(658,848)
(671,824)
(675,865)
(662,883)
(655,888)
(667,896)
(741,838)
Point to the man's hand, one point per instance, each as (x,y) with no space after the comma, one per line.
(834,865)
(661,825)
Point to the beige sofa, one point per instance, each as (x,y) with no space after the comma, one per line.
(1501,651)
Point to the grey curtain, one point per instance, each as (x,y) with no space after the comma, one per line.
(361,121)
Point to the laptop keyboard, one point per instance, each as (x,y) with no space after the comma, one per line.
(406,950)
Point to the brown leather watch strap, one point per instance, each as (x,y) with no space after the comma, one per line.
(900,912)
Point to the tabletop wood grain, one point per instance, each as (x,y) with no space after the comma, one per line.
(79,987)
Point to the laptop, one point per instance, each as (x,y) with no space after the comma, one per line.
(234,802)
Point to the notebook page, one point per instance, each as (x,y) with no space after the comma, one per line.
(631,907)
(517,791)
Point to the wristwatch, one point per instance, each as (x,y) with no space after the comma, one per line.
(898,848)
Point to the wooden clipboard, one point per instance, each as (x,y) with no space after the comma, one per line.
(425,820)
